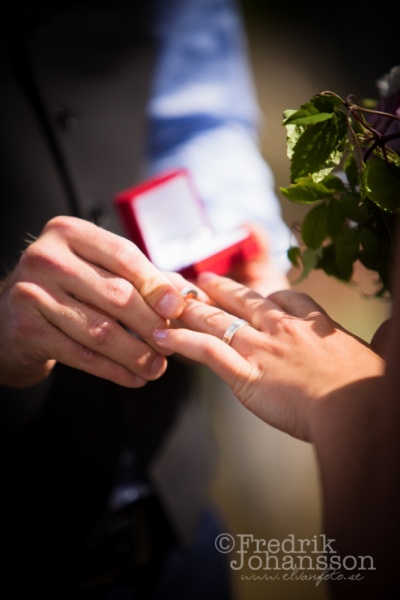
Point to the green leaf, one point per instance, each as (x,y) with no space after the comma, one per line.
(287,114)
(335,218)
(319,108)
(333,184)
(314,149)
(392,157)
(354,209)
(326,102)
(383,184)
(356,215)
(294,255)
(347,247)
(342,130)
(326,170)
(314,226)
(310,260)
(370,251)
(304,192)
(307,191)
(328,263)
(293,132)
(363,184)
(306,109)
(350,167)
(302,117)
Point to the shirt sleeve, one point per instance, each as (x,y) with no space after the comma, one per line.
(204,116)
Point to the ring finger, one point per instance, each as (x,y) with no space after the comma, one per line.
(204,343)
(219,323)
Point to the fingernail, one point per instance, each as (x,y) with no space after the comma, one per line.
(160,334)
(170,305)
(206,276)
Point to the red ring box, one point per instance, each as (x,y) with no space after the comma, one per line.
(166,219)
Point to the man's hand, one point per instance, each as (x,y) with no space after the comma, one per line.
(77,296)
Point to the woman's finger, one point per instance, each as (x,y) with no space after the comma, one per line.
(208,350)
(247,304)
(239,300)
(295,303)
(215,321)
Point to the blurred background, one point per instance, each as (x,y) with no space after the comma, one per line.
(266,483)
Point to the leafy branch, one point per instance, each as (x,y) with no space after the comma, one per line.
(344,160)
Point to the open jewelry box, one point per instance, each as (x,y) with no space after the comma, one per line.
(167,220)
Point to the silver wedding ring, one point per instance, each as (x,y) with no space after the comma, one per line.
(232,329)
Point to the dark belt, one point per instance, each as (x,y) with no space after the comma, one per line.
(128,545)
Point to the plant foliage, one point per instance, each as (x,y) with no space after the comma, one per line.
(345,164)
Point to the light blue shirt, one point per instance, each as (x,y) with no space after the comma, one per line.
(204,116)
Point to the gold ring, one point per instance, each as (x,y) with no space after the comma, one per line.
(232,329)
(189,292)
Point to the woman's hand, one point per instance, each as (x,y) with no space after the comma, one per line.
(280,365)
(76,296)
(302,373)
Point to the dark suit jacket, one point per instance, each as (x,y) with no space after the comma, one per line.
(74,83)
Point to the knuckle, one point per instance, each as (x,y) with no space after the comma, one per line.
(127,256)
(34,255)
(289,325)
(137,269)
(25,322)
(62,224)
(147,279)
(119,292)
(87,356)
(215,319)
(41,256)
(101,331)
(281,323)
(126,252)
(21,292)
